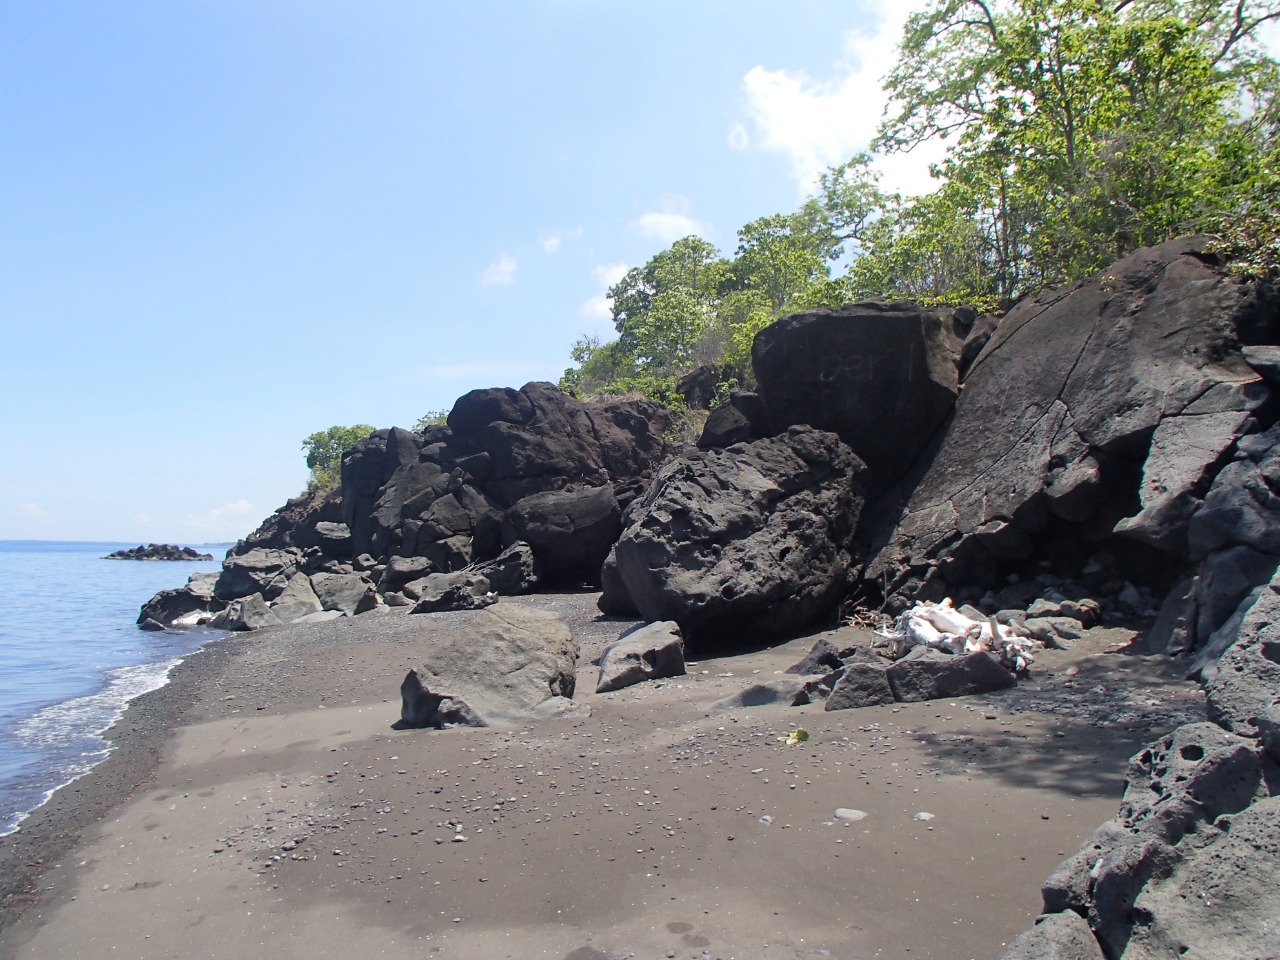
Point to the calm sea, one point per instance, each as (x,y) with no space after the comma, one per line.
(71,657)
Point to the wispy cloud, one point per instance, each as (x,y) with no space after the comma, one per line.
(818,123)
(500,273)
(600,307)
(34,511)
(670,222)
(552,240)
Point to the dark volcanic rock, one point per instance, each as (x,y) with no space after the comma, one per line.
(927,674)
(880,375)
(570,531)
(742,419)
(1245,681)
(419,707)
(1058,936)
(349,593)
(261,571)
(1107,405)
(746,542)
(168,605)
(512,572)
(158,551)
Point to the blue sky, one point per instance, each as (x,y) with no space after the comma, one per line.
(226,224)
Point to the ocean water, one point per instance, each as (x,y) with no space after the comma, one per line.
(71,657)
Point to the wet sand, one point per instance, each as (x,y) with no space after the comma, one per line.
(262,805)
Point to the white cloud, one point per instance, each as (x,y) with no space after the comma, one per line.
(600,307)
(818,123)
(227,522)
(670,222)
(501,273)
(739,139)
(552,240)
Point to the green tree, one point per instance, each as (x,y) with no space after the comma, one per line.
(325,449)
(782,255)
(1080,129)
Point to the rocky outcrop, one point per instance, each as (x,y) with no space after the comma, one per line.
(742,543)
(158,551)
(533,467)
(508,663)
(1096,416)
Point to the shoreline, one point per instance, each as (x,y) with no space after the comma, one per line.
(236,786)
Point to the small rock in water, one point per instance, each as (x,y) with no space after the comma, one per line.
(849,815)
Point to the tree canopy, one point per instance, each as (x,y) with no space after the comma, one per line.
(325,449)
(1077,131)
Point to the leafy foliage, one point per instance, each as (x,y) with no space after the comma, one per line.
(1078,130)
(325,449)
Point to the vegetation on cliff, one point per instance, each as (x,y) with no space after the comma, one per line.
(1078,132)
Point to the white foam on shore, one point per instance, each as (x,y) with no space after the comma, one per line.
(70,732)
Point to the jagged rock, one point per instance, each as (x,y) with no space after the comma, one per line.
(297,600)
(791,691)
(880,375)
(1246,678)
(570,532)
(698,387)
(974,342)
(377,476)
(1057,418)
(349,593)
(452,591)
(746,542)
(928,674)
(861,685)
(632,435)
(479,408)
(1056,936)
(249,613)
(650,652)
(509,663)
(512,572)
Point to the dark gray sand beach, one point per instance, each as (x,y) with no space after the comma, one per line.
(263,805)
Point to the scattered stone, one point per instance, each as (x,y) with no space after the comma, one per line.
(453,591)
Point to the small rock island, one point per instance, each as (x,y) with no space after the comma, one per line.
(158,551)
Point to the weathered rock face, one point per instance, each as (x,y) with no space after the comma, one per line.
(750,541)
(1095,414)
(880,375)
(508,663)
(742,419)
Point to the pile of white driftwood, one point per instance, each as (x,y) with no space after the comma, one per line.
(941,626)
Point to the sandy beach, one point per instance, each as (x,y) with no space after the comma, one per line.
(262,804)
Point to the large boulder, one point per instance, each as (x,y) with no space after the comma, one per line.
(570,531)
(1244,682)
(439,592)
(297,600)
(650,652)
(508,663)
(1096,414)
(348,593)
(880,375)
(753,541)
(196,597)
(928,674)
